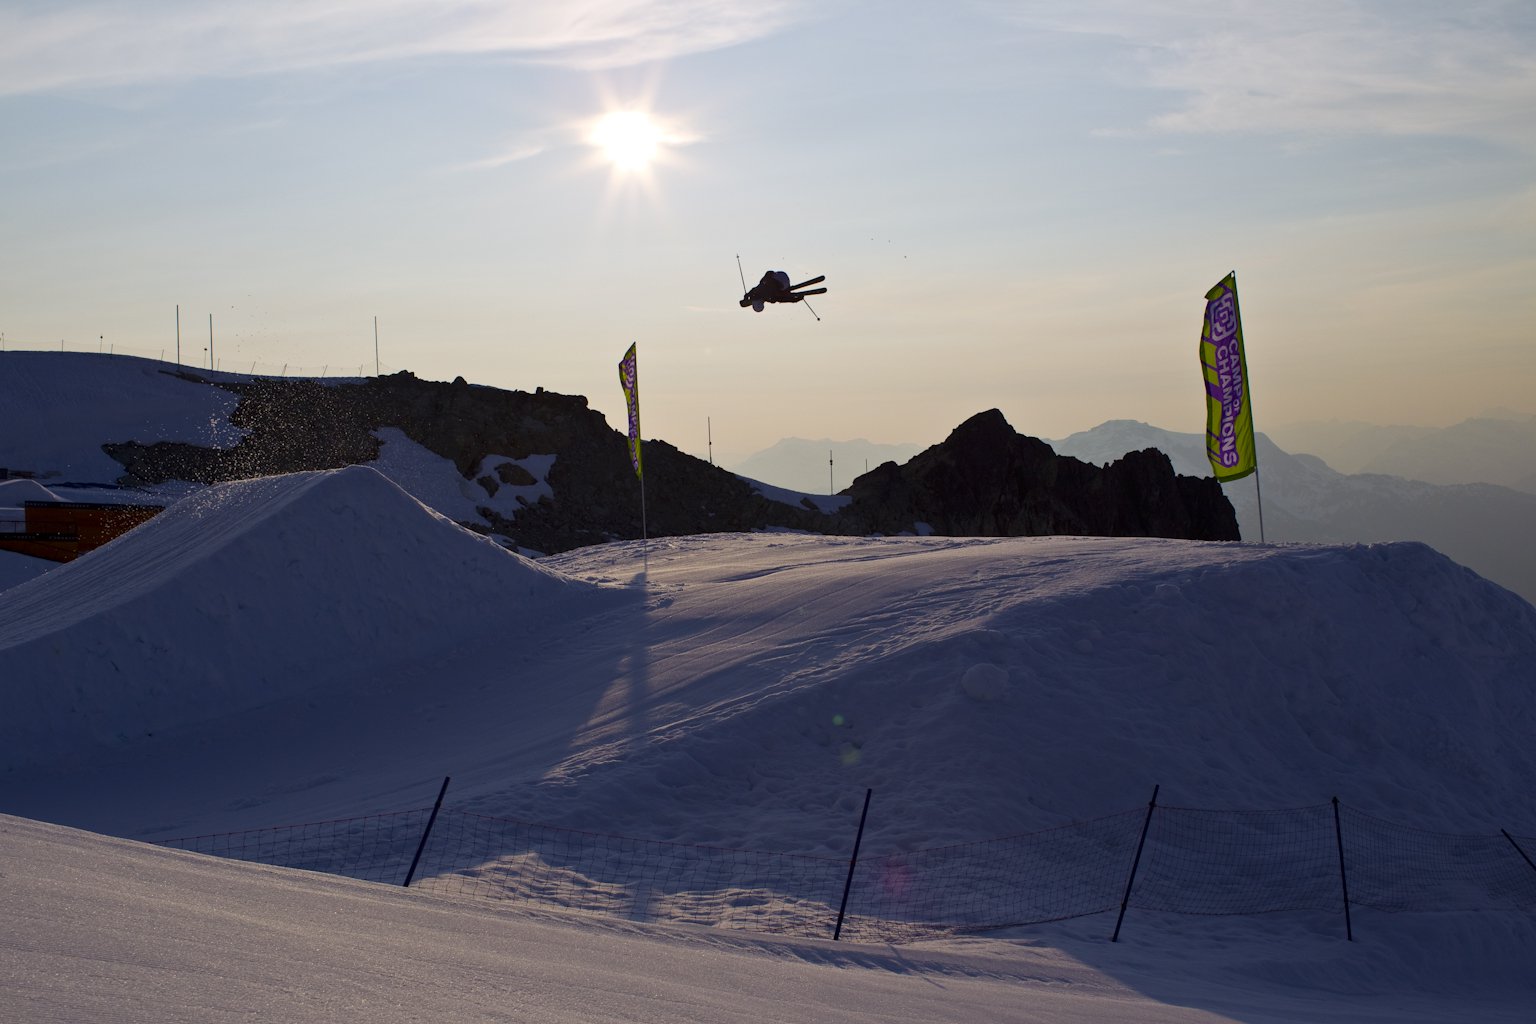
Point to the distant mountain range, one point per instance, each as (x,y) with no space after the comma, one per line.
(1485,527)
(1487,450)
(1496,449)
(798,464)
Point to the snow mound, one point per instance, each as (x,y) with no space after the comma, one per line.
(15,493)
(222,603)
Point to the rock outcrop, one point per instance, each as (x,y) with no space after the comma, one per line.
(987,480)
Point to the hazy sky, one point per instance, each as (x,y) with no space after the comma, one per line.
(1016,204)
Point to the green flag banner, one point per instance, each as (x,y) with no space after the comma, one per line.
(1229,413)
(629,380)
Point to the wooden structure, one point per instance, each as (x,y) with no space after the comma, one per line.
(64,530)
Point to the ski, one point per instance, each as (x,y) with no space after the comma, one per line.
(814,280)
(809,291)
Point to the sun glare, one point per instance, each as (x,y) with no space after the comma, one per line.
(629,139)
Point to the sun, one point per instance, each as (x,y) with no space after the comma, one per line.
(635,144)
(629,139)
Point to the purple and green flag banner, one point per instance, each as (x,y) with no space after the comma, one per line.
(1229,413)
(629,380)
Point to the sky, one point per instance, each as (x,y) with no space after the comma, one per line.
(317,646)
(1016,205)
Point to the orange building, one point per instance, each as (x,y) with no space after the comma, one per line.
(64,530)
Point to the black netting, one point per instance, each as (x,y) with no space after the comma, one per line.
(1239,862)
(1395,867)
(1064,872)
(639,879)
(1194,862)
(377,848)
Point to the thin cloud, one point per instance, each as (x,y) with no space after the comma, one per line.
(511,155)
(56,46)
(1325,67)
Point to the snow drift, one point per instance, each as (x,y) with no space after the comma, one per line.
(14,494)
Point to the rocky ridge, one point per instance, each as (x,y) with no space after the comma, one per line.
(985,479)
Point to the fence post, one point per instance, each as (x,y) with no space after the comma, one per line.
(1151,805)
(852,861)
(1338,834)
(1518,849)
(424,833)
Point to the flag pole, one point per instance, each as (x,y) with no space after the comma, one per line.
(1258,490)
(629,380)
(1230,441)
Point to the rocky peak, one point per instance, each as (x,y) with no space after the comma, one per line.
(986,479)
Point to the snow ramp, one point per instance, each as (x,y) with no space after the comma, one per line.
(249,592)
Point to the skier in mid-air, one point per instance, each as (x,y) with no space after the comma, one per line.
(775,287)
